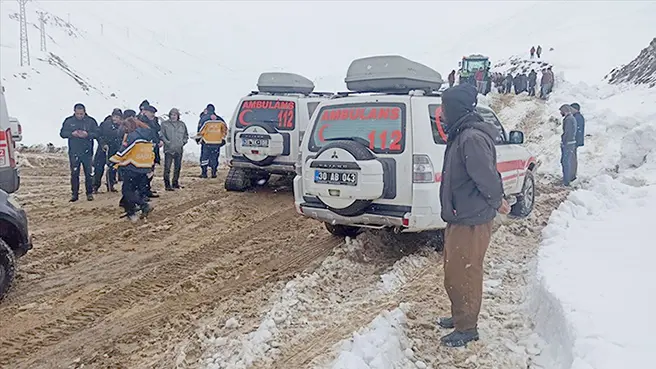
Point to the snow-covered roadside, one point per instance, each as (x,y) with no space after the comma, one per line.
(595,299)
(345,282)
(593,295)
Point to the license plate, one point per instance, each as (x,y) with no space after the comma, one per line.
(254,142)
(336,178)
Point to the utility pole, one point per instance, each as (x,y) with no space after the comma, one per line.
(24,46)
(42,28)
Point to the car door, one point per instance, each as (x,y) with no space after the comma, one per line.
(507,165)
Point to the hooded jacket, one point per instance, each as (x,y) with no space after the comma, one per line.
(471,188)
(137,154)
(174,134)
(220,134)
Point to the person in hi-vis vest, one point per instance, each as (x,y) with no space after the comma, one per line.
(136,159)
(212,131)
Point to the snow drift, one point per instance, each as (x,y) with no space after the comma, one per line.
(641,70)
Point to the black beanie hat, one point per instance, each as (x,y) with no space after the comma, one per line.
(144,104)
(210,108)
(576,106)
(151,108)
(79,106)
(459,101)
(117,112)
(129,113)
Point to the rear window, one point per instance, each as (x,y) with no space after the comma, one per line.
(379,126)
(437,126)
(278,113)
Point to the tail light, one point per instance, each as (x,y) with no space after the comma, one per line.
(422,169)
(406,219)
(6,148)
(20,129)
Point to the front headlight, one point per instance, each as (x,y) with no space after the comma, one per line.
(12,201)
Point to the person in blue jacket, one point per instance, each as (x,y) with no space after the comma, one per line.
(580,124)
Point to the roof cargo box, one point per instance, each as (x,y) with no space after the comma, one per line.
(279,82)
(391,74)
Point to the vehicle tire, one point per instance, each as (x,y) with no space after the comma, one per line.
(269,159)
(342,230)
(7,268)
(238,179)
(359,152)
(526,199)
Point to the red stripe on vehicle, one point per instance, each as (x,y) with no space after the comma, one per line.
(504,166)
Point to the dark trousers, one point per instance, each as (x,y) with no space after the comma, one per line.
(76,160)
(464,252)
(133,182)
(531,90)
(99,162)
(174,159)
(209,156)
(569,162)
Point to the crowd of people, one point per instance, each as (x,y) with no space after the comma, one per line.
(521,82)
(129,145)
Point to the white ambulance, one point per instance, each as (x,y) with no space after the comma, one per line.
(267,127)
(372,157)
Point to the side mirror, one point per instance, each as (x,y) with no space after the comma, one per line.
(516,137)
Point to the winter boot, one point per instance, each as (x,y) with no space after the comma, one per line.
(89,197)
(446,322)
(460,338)
(167,185)
(145,210)
(214,174)
(203,172)
(74,198)
(177,186)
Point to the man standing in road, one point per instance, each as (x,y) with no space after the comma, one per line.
(80,130)
(568,159)
(471,194)
(211,136)
(151,120)
(532,80)
(174,134)
(109,138)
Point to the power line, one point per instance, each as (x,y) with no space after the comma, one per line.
(24,46)
(42,29)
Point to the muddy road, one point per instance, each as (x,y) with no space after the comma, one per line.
(100,291)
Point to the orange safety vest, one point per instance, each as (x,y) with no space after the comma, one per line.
(213,132)
(140,154)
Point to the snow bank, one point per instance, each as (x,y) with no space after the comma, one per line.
(596,277)
(381,345)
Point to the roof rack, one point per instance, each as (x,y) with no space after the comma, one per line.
(285,83)
(311,94)
(341,94)
(391,74)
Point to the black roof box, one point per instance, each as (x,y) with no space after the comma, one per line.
(280,82)
(391,74)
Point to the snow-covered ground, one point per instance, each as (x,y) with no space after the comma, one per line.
(593,293)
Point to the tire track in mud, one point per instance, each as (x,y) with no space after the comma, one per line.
(209,289)
(162,277)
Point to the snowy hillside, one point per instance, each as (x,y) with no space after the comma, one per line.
(641,70)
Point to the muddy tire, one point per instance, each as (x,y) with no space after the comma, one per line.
(342,230)
(526,199)
(7,268)
(238,179)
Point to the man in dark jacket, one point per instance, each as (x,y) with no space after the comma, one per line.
(532,80)
(452,78)
(568,159)
(471,193)
(580,124)
(80,130)
(538,51)
(110,137)
(148,117)
(508,82)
